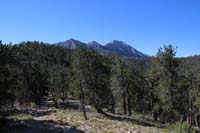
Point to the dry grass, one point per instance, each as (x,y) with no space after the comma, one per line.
(100,124)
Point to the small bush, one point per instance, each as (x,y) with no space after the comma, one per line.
(109,131)
(33,105)
(182,127)
(74,125)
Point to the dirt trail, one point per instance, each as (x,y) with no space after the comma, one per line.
(46,117)
(43,121)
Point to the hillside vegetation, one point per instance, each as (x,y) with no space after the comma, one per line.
(126,93)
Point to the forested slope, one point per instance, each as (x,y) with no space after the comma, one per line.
(164,87)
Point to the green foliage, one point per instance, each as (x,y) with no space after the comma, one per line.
(7,76)
(24,71)
(91,76)
(74,125)
(165,87)
(182,127)
(58,80)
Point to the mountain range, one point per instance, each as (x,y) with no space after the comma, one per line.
(115,46)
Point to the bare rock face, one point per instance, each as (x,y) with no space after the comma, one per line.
(124,49)
(99,48)
(118,47)
(72,44)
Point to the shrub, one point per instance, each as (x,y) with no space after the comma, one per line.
(74,125)
(182,127)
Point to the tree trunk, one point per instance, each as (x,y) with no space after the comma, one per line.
(129,106)
(197,120)
(55,103)
(113,106)
(83,108)
(54,98)
(83,102)
(62,95)
(99,109)
(124,102)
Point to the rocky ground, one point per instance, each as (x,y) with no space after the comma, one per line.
(68,118)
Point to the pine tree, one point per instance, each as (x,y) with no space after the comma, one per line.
(167,89)
(79,74)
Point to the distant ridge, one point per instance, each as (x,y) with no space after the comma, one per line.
(115,46)
(71,44)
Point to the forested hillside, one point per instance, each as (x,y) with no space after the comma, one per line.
(164,87)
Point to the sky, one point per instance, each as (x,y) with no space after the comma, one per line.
(144,24)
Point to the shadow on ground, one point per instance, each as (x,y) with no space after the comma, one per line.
(36,126)
(9,125)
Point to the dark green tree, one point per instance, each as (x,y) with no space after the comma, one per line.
(79,75)
(58,83)
(7,76)
(168,87)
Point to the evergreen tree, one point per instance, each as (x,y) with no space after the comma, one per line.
(58,83)
(98,80)
(167,89)
(7,77)
(79,69)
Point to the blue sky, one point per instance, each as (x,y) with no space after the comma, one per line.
(145,24)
